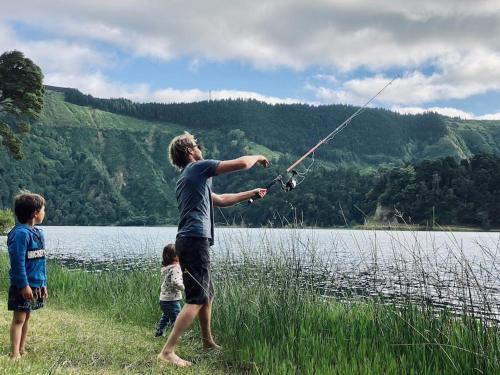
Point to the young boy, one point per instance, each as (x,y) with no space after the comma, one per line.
(195,233)
(28,279)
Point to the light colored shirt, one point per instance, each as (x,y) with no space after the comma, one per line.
(171,283)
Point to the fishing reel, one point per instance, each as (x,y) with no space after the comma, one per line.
(285,186)
(291,183)
(288,185)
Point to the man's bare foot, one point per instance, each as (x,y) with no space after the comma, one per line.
(23,352)
(14,357)
(174,359)
(211,346)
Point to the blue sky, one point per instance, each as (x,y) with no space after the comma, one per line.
(281,51)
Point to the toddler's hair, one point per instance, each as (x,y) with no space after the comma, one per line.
(169,255)
(26,204)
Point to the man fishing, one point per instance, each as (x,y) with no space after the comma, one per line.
(195,233)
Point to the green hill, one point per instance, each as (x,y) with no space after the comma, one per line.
(377,136)
(94,167)
(104,161)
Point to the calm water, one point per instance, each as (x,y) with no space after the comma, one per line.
(457,270)
(353,246)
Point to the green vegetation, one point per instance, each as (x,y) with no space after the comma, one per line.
(96,166)
(6,221)
(270,319)
(377,137)
(63,341)
(444,191)
(91,165)
(21,98)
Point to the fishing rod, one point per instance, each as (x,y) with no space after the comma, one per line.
(292,181)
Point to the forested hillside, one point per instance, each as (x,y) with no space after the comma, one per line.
(443,191)
(101,161)
(377,136)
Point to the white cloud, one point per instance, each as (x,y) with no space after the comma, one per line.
(74,64)
(292,33)
(100,86)
(56,55)
(457,75)
(490,116)
(455,42)
(445,111)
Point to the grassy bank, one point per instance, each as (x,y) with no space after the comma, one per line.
(86,342)
(267,318)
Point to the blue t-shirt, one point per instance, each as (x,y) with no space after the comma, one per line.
(27,256)
(194,199)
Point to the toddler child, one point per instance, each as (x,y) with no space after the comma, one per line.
(171,289)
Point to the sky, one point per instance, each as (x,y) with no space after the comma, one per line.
(445,54)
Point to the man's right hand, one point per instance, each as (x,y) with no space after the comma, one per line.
(27,293)
(259,193)
(263,161)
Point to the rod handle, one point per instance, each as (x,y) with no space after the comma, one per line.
(253,199)
(256,196)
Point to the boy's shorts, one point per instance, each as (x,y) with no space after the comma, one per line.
(16,302)
(194,258)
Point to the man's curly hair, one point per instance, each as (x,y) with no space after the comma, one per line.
(178,150)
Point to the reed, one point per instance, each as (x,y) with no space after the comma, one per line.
(273,314)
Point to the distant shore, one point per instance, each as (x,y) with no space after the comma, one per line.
(369,226)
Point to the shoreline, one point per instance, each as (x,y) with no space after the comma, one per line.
(371,227)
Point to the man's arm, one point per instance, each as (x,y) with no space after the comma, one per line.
(241,163)
(226,200)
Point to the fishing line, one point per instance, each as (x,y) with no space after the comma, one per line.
(296,177)
(197,282)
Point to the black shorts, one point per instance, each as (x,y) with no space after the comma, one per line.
(194,258)
(16,302)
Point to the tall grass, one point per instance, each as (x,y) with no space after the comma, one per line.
(284,325)
(272,316)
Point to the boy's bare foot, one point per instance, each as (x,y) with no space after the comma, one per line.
(14,357)
(174,359)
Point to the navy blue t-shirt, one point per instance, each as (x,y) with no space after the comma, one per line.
(194,199)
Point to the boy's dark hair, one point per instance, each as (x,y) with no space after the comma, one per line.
(169,255)
(26,204)
(178,150)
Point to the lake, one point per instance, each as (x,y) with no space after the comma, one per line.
(456,270)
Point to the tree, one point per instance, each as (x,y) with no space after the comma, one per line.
(21,98)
